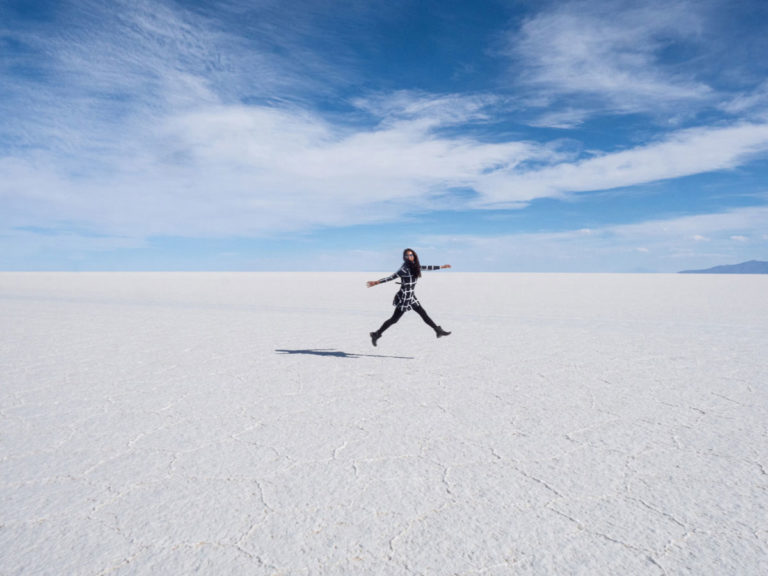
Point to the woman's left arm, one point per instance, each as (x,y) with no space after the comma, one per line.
(435,267)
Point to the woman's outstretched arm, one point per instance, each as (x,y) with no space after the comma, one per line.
(387,279)
(435,267)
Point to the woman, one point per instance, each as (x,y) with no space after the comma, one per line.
(405,299)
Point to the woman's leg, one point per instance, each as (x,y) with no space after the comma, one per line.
(387,323)
(424,316)
(439,332)
(395,317)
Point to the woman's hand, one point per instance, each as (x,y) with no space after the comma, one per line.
(372,283)
(445,266)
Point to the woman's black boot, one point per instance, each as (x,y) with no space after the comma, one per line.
(374,337)
(440,332)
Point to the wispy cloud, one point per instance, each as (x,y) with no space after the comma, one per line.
(430,110)
(251,170)
(750,103)
(246,170)
(607,54)
(684,153)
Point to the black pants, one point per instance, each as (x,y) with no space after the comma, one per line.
(399,313)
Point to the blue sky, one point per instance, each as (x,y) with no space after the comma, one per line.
(515,136)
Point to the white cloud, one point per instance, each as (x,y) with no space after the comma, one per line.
(429,109)
(567,118)
(684,153)
(244,170)
(754,102)
(609,52)
(252,170)
(715,226)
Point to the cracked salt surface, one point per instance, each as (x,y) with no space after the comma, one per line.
(243,424)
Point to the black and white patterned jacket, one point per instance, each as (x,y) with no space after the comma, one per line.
(405,299)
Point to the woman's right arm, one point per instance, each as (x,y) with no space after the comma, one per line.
(371,283)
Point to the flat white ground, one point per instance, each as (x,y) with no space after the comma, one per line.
(243,424)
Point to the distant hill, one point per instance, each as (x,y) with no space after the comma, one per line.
(751,267)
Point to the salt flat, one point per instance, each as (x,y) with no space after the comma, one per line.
(243,424)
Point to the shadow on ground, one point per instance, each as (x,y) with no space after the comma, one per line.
(338,353)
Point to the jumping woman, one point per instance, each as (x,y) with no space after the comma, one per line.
(405,299)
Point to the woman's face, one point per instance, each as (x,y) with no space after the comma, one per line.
(409,256)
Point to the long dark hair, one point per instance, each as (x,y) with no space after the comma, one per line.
(414,266)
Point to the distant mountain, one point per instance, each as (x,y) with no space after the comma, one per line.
(751,267)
